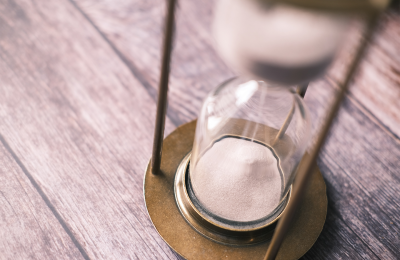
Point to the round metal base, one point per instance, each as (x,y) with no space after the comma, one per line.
(187,242)
(230,233)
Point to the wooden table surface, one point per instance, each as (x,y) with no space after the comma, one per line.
(78,84)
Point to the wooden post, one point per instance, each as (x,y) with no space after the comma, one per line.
(163,88)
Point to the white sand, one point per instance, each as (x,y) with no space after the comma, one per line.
(238,180)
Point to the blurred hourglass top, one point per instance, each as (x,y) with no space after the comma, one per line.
(276,42)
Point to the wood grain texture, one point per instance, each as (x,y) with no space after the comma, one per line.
(81,124)
(361,214)
(135,28)
(78,84)
(377,85)
(28,228)
(135,25)
(360,164)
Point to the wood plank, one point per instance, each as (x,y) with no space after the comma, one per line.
(377,85)
(28,228)
(361,214)
(135,25)
(81,124)
(338,241)
(360,163)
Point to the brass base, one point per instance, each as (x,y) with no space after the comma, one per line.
(180,236)
(230,234)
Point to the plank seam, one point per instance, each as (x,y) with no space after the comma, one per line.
(336,212)
(364,110)
(45,198)
(132,68)
(127,206)
(348,242)
(329,158)
(356,234)
(372,117)
(109,183)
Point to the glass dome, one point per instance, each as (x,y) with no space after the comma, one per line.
(249,139)
(252,131)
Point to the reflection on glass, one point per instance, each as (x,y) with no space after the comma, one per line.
(252,131)
(242,166)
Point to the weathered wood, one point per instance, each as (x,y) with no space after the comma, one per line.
(81,124)
(135,29)
(135,25)
(360,164)
(77,109)
(28,228)
(350,233)
(377,86)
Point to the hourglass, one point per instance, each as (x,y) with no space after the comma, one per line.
(225,181)
(249,139)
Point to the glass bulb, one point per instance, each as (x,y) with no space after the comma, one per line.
(249,139)
(278,43)
(252,131)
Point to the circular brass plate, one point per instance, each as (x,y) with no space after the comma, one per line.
(187,242)
(205,225)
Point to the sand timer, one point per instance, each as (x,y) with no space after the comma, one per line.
(224,188)
(252,131)
(250,137)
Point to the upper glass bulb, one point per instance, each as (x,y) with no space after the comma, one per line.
(278,43)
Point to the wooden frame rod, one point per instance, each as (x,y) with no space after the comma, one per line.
(306,166)
(301,90)
(163,88)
